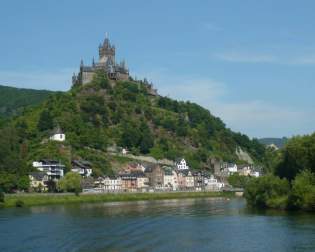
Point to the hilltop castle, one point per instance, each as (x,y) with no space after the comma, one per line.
(106,62)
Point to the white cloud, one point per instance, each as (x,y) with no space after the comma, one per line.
(59,79)
(303,60)
(245,57)
(256,57)
(261,118)
(257,118)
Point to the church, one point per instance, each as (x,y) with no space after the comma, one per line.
(107,63)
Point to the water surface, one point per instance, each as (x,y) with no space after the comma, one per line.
(166,225)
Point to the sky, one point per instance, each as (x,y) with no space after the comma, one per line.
(250,62)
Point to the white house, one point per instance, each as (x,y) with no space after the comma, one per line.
(232,168)
(58,135)
(182,165)
(212,184)
(124,151)
(244,170)
(112,184)
(82,167)
(255,174)
(38,180)
(53,169)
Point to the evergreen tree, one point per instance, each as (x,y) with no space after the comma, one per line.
(45,121)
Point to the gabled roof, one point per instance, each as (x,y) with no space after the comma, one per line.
(57,130)
(81,164)
(184,172)
(38,175)
(178,160)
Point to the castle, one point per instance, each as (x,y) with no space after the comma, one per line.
(106,63)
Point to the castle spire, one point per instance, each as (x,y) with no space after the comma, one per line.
(81,63)
(93,62)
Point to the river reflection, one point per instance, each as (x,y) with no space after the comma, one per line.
(214,224)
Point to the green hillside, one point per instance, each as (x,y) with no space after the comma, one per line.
(279,142)
(103,114)
(14,100)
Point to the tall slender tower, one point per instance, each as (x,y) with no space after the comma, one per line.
(106,52)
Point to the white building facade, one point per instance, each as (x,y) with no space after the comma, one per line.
(54,169)
(182,165)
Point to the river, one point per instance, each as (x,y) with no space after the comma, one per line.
(210,224)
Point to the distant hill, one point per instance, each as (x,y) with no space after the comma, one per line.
(279,142)
(14,100)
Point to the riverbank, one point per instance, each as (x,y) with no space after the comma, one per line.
(14,200)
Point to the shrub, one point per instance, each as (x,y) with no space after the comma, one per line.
(303,191)
(268,191)
(70,183)
(19,203)
(239,181)
(1,196)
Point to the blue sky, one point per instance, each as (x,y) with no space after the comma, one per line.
(252,63)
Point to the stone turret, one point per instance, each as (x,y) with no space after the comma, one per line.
(107,63)
(106,52)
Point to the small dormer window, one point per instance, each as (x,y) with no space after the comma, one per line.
(60,136)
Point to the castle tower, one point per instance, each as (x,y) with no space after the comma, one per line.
(107,52)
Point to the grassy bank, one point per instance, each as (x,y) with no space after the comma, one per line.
(53,199)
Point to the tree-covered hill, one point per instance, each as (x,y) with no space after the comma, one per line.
(279,142)
(14,100)
(106,113)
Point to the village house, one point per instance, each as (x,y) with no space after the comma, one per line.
(212,184)
(185,180)
(156,176)
(112,184)
(132,167)
(181,164)
(229,168)
(58,135)
(199,180)
(38,181)
(170,179)
(81,167)
(142,180)
(244,170)
(255,174)
(54,169)
(128,182)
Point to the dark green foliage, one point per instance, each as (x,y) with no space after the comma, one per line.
(2,197)
(13,168)
(238,181)
(298,155)
(101,80)
(303,191)
(296,163)
(14,100)
(71,182)
(45,121)
(267,192)
(19,203)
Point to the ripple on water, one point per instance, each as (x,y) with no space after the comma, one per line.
(166,225)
